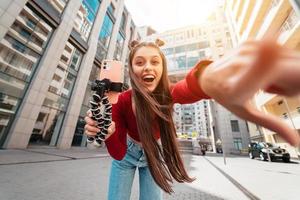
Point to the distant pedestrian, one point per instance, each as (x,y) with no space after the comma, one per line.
(203,149)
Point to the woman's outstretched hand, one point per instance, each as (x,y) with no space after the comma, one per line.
(234,79)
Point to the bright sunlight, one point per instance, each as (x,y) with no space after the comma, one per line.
(164,15)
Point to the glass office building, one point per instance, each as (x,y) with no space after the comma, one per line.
(50,52)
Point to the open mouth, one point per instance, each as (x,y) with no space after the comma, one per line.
(148,78)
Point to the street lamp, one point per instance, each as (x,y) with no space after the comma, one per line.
(290,118)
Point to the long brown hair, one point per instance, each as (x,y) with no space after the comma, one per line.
(156,108)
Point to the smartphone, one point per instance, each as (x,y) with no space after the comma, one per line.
(114,71)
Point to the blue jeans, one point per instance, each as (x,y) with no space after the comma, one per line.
(122,174)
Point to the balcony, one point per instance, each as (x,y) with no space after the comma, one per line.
(276,15)
(293,120)
(35,31)
(39,125)
(245,16)
(26,56)
(288,109)
(290,30)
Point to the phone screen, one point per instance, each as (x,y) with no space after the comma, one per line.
(112,70)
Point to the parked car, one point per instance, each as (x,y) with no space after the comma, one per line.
(261,150)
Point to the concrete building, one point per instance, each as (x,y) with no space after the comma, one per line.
(229,130)
(183,48)
(256,19)
(50,52)
(145,31)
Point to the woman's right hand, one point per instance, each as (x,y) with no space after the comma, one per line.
(256,65)
(91,126)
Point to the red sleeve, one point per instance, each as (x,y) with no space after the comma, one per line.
(188,90)
(116,143)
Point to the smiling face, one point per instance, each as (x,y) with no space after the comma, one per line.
(147,65)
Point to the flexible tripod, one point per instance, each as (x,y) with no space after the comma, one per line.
(101,108)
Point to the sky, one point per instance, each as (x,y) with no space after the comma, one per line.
(164,15)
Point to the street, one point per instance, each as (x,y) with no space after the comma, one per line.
(79,173)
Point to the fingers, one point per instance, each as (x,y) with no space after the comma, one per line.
(289,53)
(255,72)
(89,113)
(248,112)
(90,121)
(286,75)
(90,127)
(89,133)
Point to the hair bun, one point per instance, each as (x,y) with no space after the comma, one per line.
(159,42)
(134,43)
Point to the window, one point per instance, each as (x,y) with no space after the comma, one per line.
(85,17)
(168,51)
(192,58)
(131,35)
(181,62)
(119,46)
(18,46)
(64,59)
(235,125)
(237,143)
(65,78)
(30,23)
(180,49)
(41,117)
(75,62)
(106,31)
(25,33)
(52,89)
(111,9)
(123,22)
(56,77)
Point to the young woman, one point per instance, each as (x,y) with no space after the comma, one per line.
(143,135)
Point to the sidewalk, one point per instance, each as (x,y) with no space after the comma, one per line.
(80,173)
(265,180)
(48,154)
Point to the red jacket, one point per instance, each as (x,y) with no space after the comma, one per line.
(183,92)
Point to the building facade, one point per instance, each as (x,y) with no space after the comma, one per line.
(145,31)
(183,48)
(257,19)
(230,132)
(50,52)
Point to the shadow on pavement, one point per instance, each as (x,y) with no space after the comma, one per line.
(183,191)
(191,194)
(279,161)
